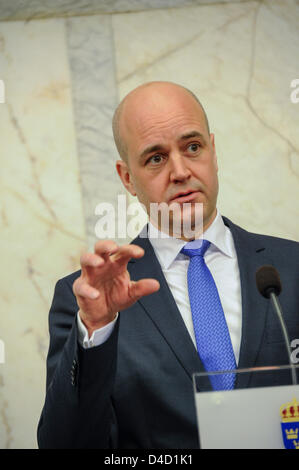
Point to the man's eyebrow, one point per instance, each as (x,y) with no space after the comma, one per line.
(150,149)
(190,135)
(159,147)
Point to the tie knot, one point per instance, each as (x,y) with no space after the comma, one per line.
(190,250)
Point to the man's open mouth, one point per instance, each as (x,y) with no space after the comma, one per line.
(186,196)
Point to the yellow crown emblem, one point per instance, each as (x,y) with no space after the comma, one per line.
(289,412)
(292,433)
(296,444)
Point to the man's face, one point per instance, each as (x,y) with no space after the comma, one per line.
(171,156)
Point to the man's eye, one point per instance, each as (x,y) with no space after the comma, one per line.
(155,159)
(193,148)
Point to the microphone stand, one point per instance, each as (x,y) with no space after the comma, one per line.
(278,311)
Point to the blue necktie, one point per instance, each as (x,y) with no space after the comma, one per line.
(211,332)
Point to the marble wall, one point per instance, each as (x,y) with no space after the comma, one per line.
(42,224)
(64,75)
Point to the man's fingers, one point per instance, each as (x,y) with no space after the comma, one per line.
(143,287)
(82,289)
(108,251)
(91,260)
(105,248)
(126,252)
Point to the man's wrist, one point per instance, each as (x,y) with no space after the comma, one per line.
(88,338)
(91,326)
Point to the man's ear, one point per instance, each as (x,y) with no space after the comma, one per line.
(212,141)
(125,176)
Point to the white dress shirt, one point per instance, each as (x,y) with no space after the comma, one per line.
(220,258)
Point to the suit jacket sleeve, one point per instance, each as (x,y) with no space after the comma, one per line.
(78,410)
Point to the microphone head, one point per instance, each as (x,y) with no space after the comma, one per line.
(267,281)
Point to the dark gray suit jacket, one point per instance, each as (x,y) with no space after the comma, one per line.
(135,390)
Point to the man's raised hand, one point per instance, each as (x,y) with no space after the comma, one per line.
(104,287)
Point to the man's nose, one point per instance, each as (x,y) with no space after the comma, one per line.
(179,170)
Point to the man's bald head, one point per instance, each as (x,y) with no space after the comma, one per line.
(140,91)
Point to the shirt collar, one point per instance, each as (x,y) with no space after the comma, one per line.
(168,248)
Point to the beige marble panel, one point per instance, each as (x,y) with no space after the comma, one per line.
(32,9)
(91,58)
(42,225)
(233,58)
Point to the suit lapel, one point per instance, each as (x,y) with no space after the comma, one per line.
(252,254)
(162,309)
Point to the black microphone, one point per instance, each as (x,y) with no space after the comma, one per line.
(269,285)
(268,281)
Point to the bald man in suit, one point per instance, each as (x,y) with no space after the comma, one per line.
(122,344)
